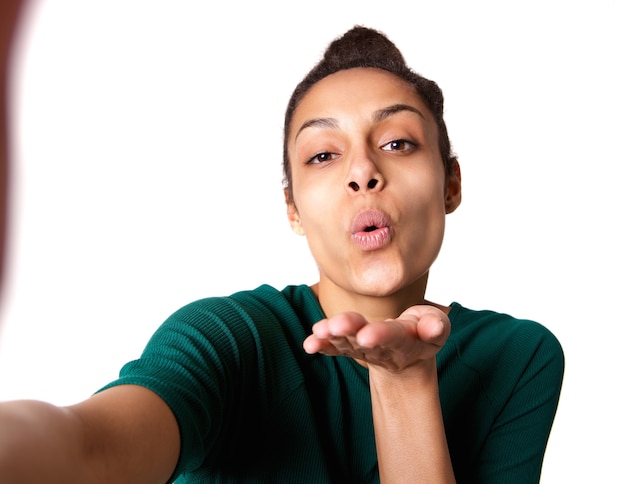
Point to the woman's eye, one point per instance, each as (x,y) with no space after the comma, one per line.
(398,145)
(322,158)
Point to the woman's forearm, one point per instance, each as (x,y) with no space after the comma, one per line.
(126,433)
(38,443)
(410,435)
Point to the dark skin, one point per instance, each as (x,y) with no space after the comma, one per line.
(10,16)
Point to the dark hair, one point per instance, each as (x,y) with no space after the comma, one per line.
(366,47)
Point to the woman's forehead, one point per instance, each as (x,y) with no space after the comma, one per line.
(364,90)
(366,93)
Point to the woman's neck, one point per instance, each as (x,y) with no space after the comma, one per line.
(335,300)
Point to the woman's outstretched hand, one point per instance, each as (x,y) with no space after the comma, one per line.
(395,344)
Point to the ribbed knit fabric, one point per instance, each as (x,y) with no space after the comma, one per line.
(252,406)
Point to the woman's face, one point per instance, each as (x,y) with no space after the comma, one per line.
(369,188)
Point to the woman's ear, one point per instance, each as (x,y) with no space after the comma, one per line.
(293,215)
(453,189)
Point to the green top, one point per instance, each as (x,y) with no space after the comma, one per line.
(252,406)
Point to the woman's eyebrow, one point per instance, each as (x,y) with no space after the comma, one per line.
(318,123)
(384,113)
(379,115)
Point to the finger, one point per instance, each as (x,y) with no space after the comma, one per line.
(339,331)
(385,333)
(432,328)
(345,324)
(321,330)
(431,324)
(330,347)
(344,345)
(324,339)
(312,345)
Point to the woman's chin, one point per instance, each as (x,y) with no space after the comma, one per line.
(377,284)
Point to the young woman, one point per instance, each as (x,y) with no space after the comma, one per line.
(355,379)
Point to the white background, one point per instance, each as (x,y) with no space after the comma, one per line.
(147,174)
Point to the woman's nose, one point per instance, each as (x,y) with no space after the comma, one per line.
(370,184)
(363,175)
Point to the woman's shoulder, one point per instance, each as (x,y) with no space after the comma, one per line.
(488,335)
(263,309)
(494,323)
(260,299)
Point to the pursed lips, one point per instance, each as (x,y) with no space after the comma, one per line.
(371,230)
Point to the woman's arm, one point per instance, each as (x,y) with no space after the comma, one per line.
(125,434)
(410,435)
(400,354)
